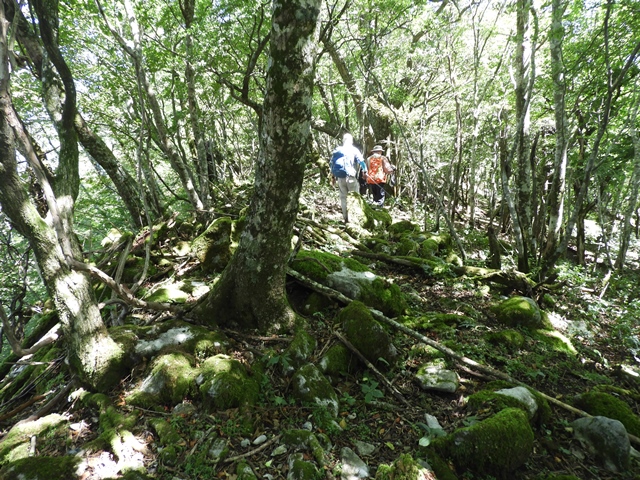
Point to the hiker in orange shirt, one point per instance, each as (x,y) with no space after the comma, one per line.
(378,167)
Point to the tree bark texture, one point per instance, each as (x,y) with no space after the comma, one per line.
(91,351)
(251,291)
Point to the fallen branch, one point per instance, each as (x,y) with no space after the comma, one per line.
(254,451)
(370,366)
(447,351)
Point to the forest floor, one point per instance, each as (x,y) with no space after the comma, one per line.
(605,331)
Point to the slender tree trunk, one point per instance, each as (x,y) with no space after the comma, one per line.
(555,198)
(524,75)
(634,188)
(188,7)
(251,292)
(92,353)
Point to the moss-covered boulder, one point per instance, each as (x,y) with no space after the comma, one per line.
(606,440)
(509,339)
(41,468)
(337,360)
(367,335)
(225,383)
(169,292)
(352,279)
(555,340)
(404,467)
(496,446)
(606,405)
(519,312)
(397,229)
(173,336)
(364,216)
(15,444)
(434,376)
(318,445)
(301,347)
(311,387)
(215,246)
(500,395)
(169,381)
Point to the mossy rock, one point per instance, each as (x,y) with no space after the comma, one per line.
(555,340)
(397,229)
(175,292)
(519,311)
(244,471)
(511,340)
(361,214)
(429,248)
(41,468)
(405,467)
(165,431)
(214,247)
(316,303)
(301,469)
(301,347)
(225,383)
(444,324)
(490,399)
(318,444)
(406,246)
(384,296)
(169,381)
(337,360)
(367,335)
(378,245)
(175,336)
(606,405)
(353,279)
(496,446)
(15,445)
(318,265)
(310,386)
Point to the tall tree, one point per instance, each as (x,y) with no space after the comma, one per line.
(251,291)
(92,353)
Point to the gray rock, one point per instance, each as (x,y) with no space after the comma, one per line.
(524,396)
(365,449)
(606,439)
(353,467)
(434,376)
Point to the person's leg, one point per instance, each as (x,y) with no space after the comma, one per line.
(352,184)
(344,189)
(382,193)
(375,188)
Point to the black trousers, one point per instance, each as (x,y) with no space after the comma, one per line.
(377,189)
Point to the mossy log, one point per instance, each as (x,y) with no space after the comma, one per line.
(447,351)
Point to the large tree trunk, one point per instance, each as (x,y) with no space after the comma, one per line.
(251,292)
(91,351)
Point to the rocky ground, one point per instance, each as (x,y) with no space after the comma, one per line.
(169,420)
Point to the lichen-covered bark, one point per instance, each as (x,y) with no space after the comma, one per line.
(251,291)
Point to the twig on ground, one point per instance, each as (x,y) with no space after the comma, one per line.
(254,451)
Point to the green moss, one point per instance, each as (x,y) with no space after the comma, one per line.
(169,293)
(387,298)
(214,247)
(225,383)
(169,381)
(42,468)
(165,431)
(306,440)
(310,386)
(15,444)
(403,468)
(555,340)
(366,334)
(301,347)
(318,265)
(439,466)
(404,226)
(495,446)
(519,311)
(406,246)
(316,303)
(606,405)
(244,471)
(510,339)
(302,470)
(337,360)
(429,248)
(495,402)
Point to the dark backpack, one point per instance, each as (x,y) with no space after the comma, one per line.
(338,163)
